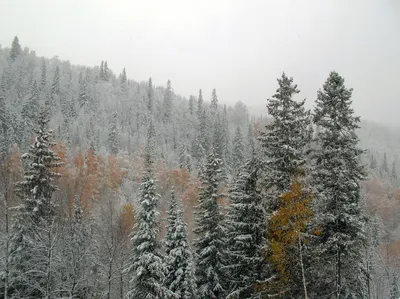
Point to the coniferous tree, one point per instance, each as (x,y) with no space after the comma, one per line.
(147,268)
(105,74)
(180,276)
(286,138)
(55,86)
(226,136)
(15,49)
(246,225)
(337,174)
(150,95)
(214,102)
(113,140)
(43,78)
(191,105)
(250,141)
(372,162)
(238,152)
(101,76)
(182,157)
(385,167)
(200,106)
(394,289)
(123,76)
(168,103)
(394,172)
(30,250)
(210,232)
(83,91)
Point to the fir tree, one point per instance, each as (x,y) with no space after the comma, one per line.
(246,228)
(55,86)
(394,289)
(147,268)
(30,108)
(101,75)
(214,102)
(123,77)
(150,96)
(238,153)
(385,167)
(191,105)
(105,75)
(210,233)
(337,175)
(226,136)
(168,103)
(182,157)
(200,105)
(394,172)
(113,140)
(15,49)
(35,215)
(180,277)
(83,90)
(250,141)
(286,138)
(43,78)
(372,162)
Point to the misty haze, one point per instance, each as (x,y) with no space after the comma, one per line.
(211,150)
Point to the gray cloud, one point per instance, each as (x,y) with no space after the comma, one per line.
(237,47)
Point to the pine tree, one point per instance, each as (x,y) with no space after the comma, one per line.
(191,105)
(182,157)
(214,102)
(101,75)
(394,172)
(105,74)
(55,86)
(15,49)
(210,232)
(286,138)
(34,217)
(113,140)
(337,174)
(168,103)
(245,233)
(123,77)
(180,276)
(43,78)
(250,141)
(200,105)
(385,167)
(238,152)
(150,96)
(147,268)
(394,289)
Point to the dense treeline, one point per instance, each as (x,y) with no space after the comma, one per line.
(139,193)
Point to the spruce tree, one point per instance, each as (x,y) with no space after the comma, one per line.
(15,49)
(245,236)
(180,276)
(214,102)
(286,138)
(150,96)
(337,174)
(55,86)
(168,103)
(146,266)
(123,77)
(182,157)
(113,140)
(238,151)
(35,215)
(394,171)
(209,229)
(43,78)
(191,105)
(101,75)
(105,71)
(200,106)
(394,289)
(384,167)
(250,141)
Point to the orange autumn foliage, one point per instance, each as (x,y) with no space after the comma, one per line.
(114,173)
(127,218)
(285,228)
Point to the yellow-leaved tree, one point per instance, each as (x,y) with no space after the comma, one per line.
(286,230)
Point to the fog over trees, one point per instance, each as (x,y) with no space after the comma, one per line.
(114,188)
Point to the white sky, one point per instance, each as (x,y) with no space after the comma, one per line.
(237,47)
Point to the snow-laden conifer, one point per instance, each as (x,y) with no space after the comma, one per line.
(180,277)
(210,242)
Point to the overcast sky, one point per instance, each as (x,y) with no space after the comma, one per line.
(237,47)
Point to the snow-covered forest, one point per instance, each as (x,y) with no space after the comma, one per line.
(114,188)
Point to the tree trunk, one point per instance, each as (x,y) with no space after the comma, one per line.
(302,269)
